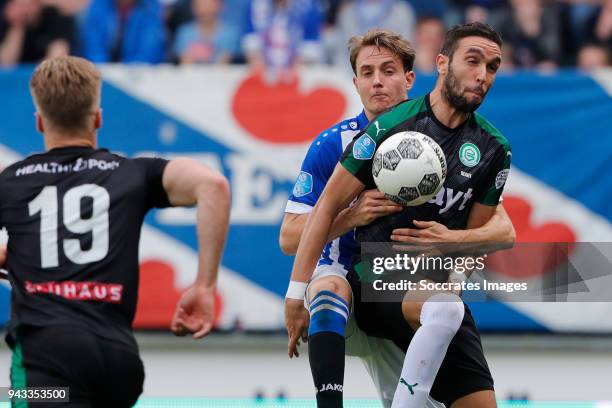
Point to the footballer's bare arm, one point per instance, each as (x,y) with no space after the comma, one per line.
(3,274)
(188,182)
(486,224)
(341,189)
(370,205)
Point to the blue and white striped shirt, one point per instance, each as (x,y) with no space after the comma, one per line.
(317,167)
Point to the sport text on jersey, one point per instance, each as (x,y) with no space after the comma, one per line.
(56,168)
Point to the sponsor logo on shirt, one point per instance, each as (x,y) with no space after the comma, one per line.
(92,291)
(447,198)
(364,147)
(56,168)
(303,184)
(501,178)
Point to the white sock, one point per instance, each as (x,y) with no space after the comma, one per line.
(441,317)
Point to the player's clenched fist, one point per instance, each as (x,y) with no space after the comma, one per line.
(370,205)
(296,320)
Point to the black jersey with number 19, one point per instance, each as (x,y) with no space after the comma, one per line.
(73,216)
(477,159)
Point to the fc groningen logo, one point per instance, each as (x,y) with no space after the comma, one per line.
(469,154)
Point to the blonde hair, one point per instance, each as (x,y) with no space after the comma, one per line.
(382,38)
(66,90)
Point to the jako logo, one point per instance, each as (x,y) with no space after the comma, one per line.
(447,197)
(330,387)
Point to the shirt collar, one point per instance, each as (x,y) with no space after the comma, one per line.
(362,120)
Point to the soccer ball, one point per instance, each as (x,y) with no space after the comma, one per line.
(409,167)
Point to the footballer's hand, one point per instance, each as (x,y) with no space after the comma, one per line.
(195,312)
(426,232)
(370,205)
(2,255)
(296,320)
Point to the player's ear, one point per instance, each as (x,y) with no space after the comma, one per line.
(39,123)
(355,82)
(98,119)
(442,62)
(410,76)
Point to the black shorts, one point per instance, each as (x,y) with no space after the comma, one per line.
(98,372)
(464,369)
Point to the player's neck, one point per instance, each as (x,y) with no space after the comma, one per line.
(444,112)
(53,140)
(369,115)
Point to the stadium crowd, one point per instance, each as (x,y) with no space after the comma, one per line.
(281,34)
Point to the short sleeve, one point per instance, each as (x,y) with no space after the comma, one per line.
(154,172)
(497,176)
(317,168)
(358,157)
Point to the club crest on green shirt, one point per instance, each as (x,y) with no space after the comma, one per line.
(469,154)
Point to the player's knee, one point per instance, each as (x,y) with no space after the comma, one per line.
(412,313)
(328,313)
(332,284)
(443,309)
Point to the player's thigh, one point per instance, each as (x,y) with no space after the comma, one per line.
(379,319)
(57,357)
(480,399)
(464,371)
(412,304)
(124,377)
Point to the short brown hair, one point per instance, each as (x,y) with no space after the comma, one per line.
(66,90)
(452,37)
(381,38)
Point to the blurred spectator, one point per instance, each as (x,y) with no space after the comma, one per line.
(428,8)
(207,39)
(428,38)
(358,16)
(507,64)
(492,12)
(124,31)
(329,10)
(68,7)
(282,34)
(580,20)
(31,31)
(603,29)
(592,56)
(176,14)
(534,34)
